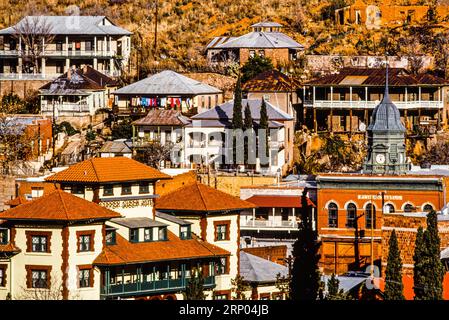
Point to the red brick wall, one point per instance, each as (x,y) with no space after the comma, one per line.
(167,186)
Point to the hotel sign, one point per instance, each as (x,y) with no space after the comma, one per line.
(378,197)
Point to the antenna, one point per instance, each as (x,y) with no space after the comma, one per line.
(386,76)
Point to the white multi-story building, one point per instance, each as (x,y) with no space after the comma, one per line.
(61,42)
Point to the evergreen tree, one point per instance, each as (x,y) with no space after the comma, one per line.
(254,66)
(305,283)
(418,259)
(194,288)
(247,126)
(333,289)
(263,124)
(393,274)
(433,267)
(237,121)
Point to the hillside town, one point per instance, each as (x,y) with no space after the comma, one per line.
(260,166)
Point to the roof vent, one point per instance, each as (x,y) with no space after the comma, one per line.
(85,172)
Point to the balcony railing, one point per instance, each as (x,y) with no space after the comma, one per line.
(269,224)
(341,104)
(62,53)
(29,76)
(65,107)
(148,287)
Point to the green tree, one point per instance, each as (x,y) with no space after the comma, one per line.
(239,287)
(333,289)
(237,121)
(248,121)
(263,124)
(306,277)
(195,287)
(393,274)
(122,130)
(248,126)
(418,259)
(433,267)
(254,66)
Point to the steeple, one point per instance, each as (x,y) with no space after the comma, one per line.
(386,138)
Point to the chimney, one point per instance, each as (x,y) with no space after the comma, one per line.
(69,74)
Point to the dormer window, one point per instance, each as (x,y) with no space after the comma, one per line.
(162,233)
(184,233)
(3,236)
(134,235)
(110,237)
(126,188)
(148,234)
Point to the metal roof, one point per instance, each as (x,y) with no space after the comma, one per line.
(158,117)
(224,112)
(227,124)
(75,25)
(266,24)
(271,81)
(217,41)
(168,83)
(261,40)
(172,218)
(138,222)
(346,283)
(376,77)
(117,146)
(256,269)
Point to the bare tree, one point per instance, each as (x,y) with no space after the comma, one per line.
(15,145)
(34,33)
(52,292)
(155,153)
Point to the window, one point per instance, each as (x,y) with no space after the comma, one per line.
(163,233)
(77,189)
(85,243)
(222,266)
(221,297)
(134,235)
(108,190)
(144,187)
(409,208)
(221,232)
(252,53)
(110,237)
(389,208)
(262,53)
(85,277)
(351,216)
(148,234)
(428,208)
(39,279)
(185,232)
(3,236)
(2,276)
(333,215)
(39,244)
(370,216)
(126,188)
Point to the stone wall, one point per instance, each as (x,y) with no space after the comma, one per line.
(22,88)
(232,184)
(7,190)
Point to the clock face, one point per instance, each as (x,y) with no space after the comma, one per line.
(380,158)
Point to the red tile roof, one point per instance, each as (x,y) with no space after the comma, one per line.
(125,252)
(117,169)
(278,201)
(199,197)
(271,81)
(16,201)
(25,188)
(59,206)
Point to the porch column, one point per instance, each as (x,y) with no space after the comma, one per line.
(315,125)
(350,121)
(273,210)
(293,216)
(313,96)
(366,117)
(95,46)
(419,95)
(183,274)
(254,217)
(406,97)
(139,277)
(168,275)
(350,97)
(43,66)
(107,281)
(154,277)
(366,96)
(123,279)
(66,45)
(406,119)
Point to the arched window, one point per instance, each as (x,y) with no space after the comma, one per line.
(428,208)
(351,215)
(389,208)
(409,207)
(370,216)
(333,215)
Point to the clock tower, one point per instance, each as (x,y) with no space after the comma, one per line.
(386,139)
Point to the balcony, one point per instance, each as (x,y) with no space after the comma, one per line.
(344,104)
(29,76)
(63,53)
(268,224)
(65,108)
(151,287)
